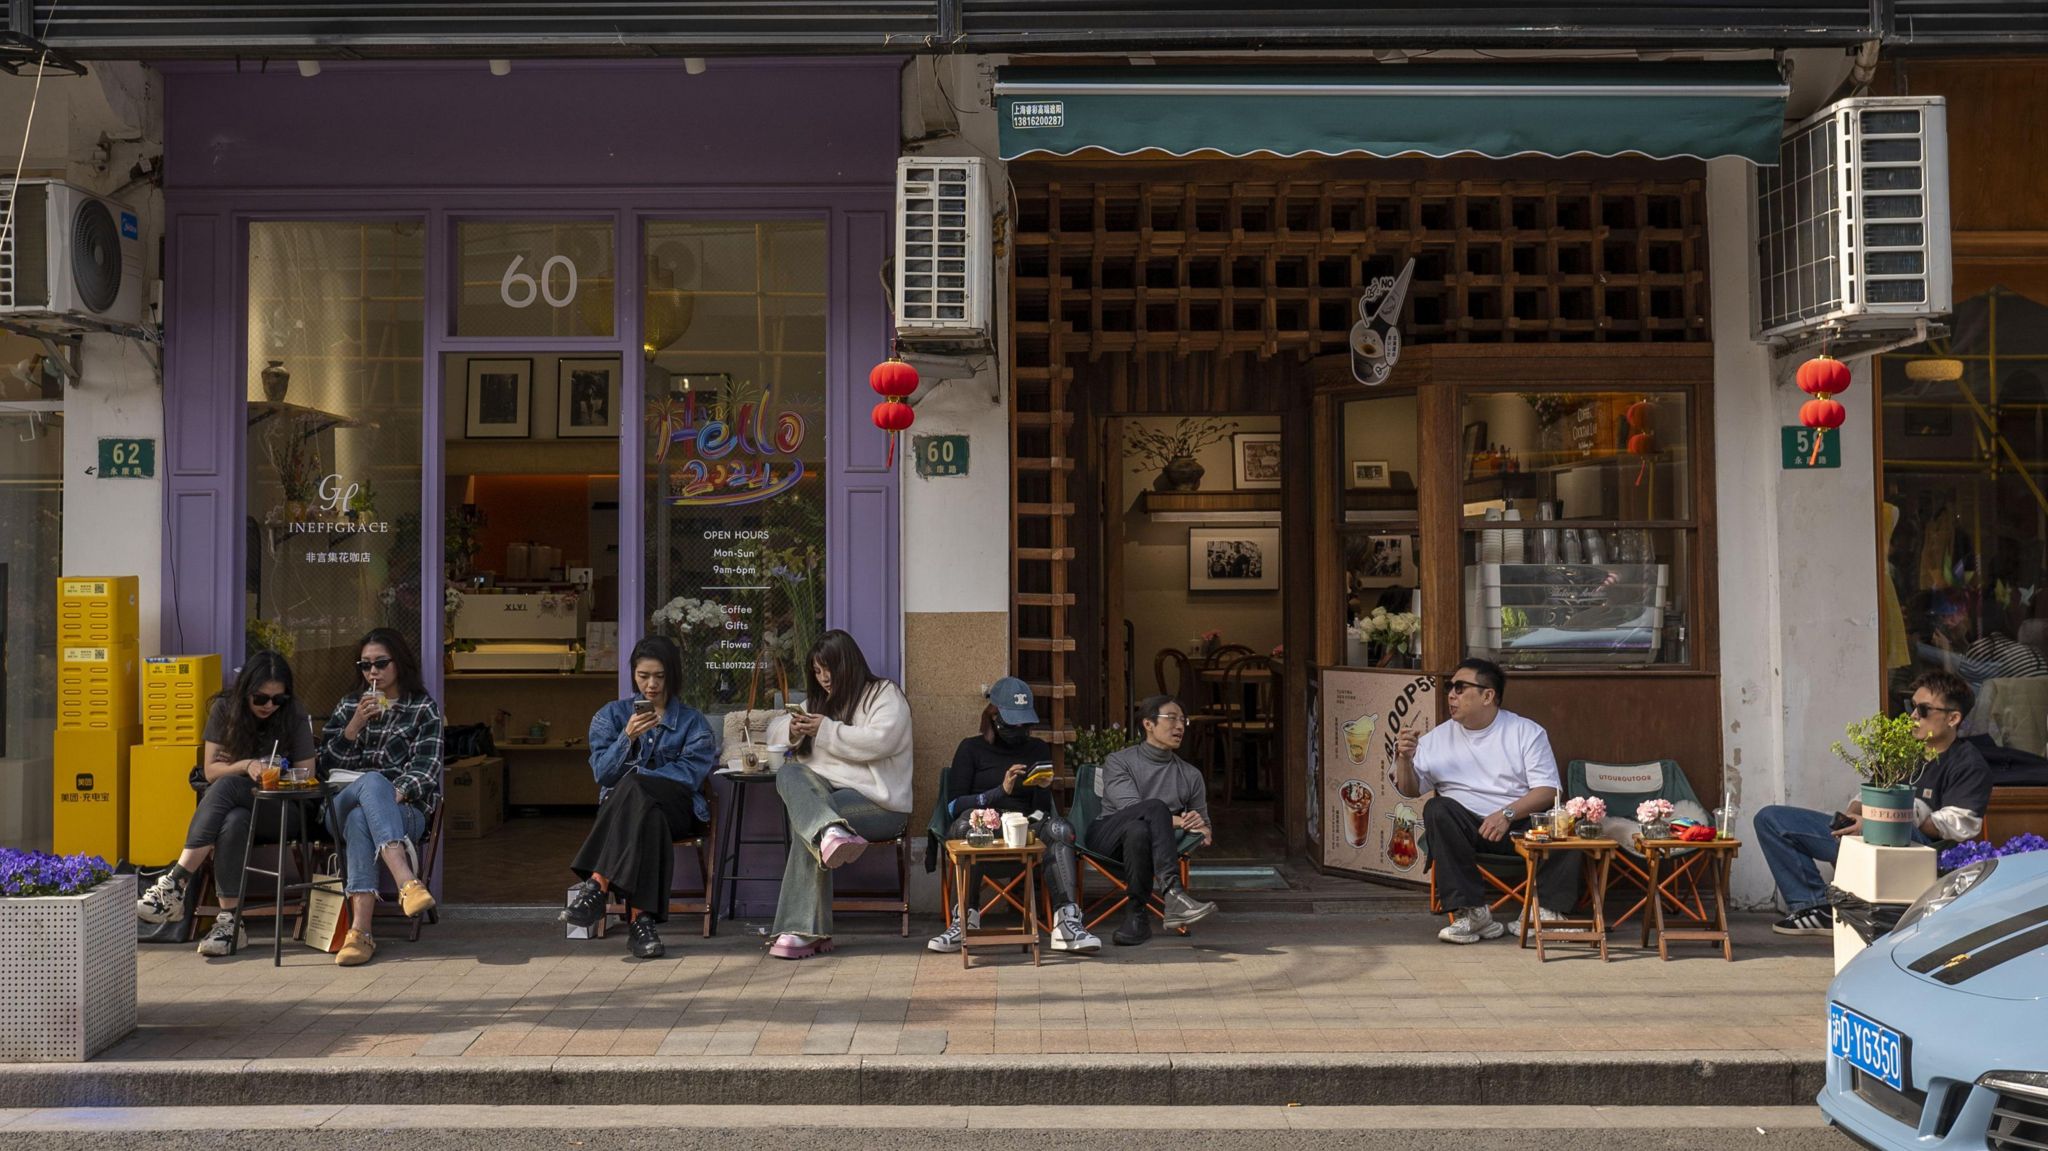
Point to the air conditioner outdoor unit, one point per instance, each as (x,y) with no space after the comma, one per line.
(1852,225)
(942,283)
(72,261)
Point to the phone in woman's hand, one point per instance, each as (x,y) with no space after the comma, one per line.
(643,707)
(1039,775)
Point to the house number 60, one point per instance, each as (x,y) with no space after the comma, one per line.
(520,290)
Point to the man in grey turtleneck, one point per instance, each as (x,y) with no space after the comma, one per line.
(1149,796)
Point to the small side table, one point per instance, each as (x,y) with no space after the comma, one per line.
(1673,861)
(961,859)
(730,875)
(306,799)
(1600,854)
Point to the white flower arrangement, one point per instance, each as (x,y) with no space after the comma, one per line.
(684,616)
(451,600)
(1396,630)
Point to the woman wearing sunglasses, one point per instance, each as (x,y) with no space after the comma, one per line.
(383,746)
(244,725)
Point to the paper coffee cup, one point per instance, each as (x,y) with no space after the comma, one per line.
(1016,829)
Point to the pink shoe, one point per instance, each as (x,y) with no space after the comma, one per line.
(839,847)
(789,946)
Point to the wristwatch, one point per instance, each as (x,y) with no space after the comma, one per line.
(1508,813)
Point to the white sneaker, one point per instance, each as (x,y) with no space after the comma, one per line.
(1068,934)
(1472,925)
(1546,915)
(162,902)
(947,942)
(226,938)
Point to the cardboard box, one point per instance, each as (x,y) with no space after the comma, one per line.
(160,801)
(89,782)
(175,691)
(473,797)
(98,610)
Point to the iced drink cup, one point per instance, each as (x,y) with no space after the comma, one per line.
(1357,799)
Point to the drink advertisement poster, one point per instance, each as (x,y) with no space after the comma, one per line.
(1368,826)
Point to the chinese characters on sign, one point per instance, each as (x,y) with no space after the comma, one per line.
(941,456)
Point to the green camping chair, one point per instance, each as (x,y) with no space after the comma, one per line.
(1001,877)
(1087,808)
(1623,786)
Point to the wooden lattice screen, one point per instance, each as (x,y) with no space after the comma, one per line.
(1115,262)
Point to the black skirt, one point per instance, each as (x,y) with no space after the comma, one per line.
(632,843)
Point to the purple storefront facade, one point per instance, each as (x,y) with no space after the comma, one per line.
(444,143)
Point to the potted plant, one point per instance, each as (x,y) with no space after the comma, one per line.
(1886,753)
(295,454)
(1173,453)
(1092,745)
(68,924)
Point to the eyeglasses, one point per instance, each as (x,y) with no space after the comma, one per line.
(373,664)
(258,699)
(1462,685)
(1170,720)
(1923,710)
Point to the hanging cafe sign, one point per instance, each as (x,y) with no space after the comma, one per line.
(727,451)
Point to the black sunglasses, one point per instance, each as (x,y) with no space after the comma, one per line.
(1462,685)
(258,699)
(373,664)
(1923,710)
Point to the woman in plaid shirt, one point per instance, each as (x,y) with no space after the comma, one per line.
(385,743)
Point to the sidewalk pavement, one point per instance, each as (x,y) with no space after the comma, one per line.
(478,989)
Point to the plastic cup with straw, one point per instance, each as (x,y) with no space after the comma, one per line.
(271,769)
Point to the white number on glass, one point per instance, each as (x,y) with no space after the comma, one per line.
(528,288)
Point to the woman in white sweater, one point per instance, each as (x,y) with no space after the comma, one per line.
(847,783)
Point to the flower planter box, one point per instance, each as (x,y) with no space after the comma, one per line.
(67,963)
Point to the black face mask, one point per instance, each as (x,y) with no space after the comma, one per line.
(1012,736)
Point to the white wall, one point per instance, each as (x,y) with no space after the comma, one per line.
(1797,558)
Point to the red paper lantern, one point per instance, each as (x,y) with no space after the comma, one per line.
(1639,416)
(1822,413)
(1823,376)
(893,378)
(894,416)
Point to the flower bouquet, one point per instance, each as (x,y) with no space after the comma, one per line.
(983,825)
(1586,812)
(1655,817)
(1389,632)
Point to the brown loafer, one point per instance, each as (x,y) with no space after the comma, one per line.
(355,950)
(414,899)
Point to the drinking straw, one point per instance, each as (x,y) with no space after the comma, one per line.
(272,760)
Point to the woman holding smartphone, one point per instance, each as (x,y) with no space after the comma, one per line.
(245,725)
(847,782)
(383,746)
(651,754)
(1007,768)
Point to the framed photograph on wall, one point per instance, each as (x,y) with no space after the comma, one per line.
(1240,559)
(1371,474)
(1474,443)
(1257,459)
(1388,561)
(587,398)
(500,400)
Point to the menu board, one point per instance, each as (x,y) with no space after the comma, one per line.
(1367,824)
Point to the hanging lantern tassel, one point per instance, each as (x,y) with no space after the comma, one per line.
(1641,441)
(894,381)
(1824,378)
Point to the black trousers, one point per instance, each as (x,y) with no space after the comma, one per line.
(1142,838)
(1451,832)
(632,842)
(1056,870)
(223,823)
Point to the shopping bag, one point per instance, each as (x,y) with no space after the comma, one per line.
(746,732)
(327,911)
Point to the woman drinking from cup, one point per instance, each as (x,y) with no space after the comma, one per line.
(651,753)
(383,746)
(253,729)
(847,782)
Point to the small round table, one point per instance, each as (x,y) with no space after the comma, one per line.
(730,875)
(1674,860)
(1600,854)
(305,799)
(961,859)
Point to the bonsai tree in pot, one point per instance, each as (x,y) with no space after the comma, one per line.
(1173,453)
(1887,755)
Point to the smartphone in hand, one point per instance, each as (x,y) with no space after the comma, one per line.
(643,707)
(1039,775)
(1840,821)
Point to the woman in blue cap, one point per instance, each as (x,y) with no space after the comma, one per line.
(989,770)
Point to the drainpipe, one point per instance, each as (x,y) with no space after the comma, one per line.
(1864,69)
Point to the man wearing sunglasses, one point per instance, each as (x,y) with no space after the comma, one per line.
(1949,799)
(1491,770)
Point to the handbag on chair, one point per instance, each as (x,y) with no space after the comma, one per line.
(746,732)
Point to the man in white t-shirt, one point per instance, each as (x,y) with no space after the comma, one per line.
(1491,770)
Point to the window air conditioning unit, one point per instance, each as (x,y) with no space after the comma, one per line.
(72,261)
(942,280)
(1852,231)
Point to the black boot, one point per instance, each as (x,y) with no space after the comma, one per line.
(1137,928)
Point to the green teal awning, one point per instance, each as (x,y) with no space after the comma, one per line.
(1663,111)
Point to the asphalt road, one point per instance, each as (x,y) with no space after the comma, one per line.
(514,1128)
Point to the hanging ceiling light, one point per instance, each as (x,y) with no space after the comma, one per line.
(501,67)
(309,68)
(694,65)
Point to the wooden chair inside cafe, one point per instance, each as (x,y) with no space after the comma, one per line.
(1185,685)
(1250,719)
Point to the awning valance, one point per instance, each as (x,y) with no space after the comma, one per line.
(1664,111)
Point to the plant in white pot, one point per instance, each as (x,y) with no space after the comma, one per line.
(1886,753)
(67,956)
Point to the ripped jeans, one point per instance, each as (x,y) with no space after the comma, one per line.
(370,816)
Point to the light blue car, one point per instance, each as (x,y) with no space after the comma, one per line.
(1938,1033)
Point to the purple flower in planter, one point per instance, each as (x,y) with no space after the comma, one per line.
(33,873)
(1977,851)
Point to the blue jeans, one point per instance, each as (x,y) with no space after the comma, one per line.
(1794,842)
(371,818)
(804,906)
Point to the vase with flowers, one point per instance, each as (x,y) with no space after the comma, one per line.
(1389,637)
(1586,812)
(982,826)
(1173,452)
(1653,818)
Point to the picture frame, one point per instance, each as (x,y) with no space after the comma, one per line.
(1256,461)
(1234,559)
(1389,561)
(500,400)
(1474,441)
(587,398)
(1372,475)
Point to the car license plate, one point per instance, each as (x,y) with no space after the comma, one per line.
(1872,1048)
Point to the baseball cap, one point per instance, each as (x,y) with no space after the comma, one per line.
(1014,702)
